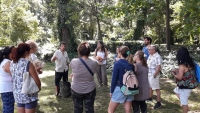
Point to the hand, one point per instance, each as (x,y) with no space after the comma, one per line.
(54,58)
(174,72)
(39,89)
(110,95)
(39,70)
(71,76)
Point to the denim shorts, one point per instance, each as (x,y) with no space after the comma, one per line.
(119,97)
(28,105)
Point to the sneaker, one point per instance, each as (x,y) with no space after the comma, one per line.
(157,105)
(149,99)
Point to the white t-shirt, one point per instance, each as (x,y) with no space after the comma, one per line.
(6,82)
(61,61)
(102,55)
(32,57)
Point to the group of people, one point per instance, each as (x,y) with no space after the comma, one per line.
(145,63)
(14,61)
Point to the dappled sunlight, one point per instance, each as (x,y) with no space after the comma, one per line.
(47,73)
(44,84)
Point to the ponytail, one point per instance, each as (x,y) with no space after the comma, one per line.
(15,56)
(20,51)
(130,59)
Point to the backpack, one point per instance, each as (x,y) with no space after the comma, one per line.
(130,84)
(65,89)
(197,72)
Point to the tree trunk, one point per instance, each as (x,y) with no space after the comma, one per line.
(167,25)
(98,21)
(63,28)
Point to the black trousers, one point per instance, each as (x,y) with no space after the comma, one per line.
(59,76)
(81,100)
(139,106)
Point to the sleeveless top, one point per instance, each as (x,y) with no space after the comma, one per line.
(102,55)
(6,82)
(188,81)
(17,70)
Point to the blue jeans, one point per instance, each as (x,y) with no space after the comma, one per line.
(8,102)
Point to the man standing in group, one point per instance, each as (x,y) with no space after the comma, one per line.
(61,60)
(147,43)
(154,63)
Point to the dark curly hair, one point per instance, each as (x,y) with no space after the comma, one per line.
(184,58)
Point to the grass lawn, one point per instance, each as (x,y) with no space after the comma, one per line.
(48,103)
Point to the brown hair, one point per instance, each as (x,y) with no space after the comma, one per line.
(142,57)
(124,50)
(19,51)
(83,49)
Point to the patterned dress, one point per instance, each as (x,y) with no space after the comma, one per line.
(17,70)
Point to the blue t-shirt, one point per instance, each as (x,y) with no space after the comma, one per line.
(146,52)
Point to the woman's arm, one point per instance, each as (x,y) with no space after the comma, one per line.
(6,67)
(106,54)
(135,67)
(180,73)
(34,75)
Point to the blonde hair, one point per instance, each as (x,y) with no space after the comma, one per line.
(32,44)
(130,59)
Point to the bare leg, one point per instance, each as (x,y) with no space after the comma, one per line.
(57,90)
(112,106)
(158,95)
(185,108)
(20,110)
(151,93)
(127,106)
(31,110)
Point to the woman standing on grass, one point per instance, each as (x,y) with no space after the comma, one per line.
(101,56)
(26,103)
(185,75)
(116,95)
(141,72)
(83,84)
(6,82)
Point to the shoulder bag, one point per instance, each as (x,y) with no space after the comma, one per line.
(29,86)
(86,66)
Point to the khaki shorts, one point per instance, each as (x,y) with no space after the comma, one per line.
(154,83)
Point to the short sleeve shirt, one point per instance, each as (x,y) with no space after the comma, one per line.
(146,52)
(153,61)
(61,61)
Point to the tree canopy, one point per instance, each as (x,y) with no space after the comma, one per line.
(73,20)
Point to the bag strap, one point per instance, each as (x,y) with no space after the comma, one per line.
(86,66)
(27,66)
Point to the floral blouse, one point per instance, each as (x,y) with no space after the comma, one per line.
(17,70)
